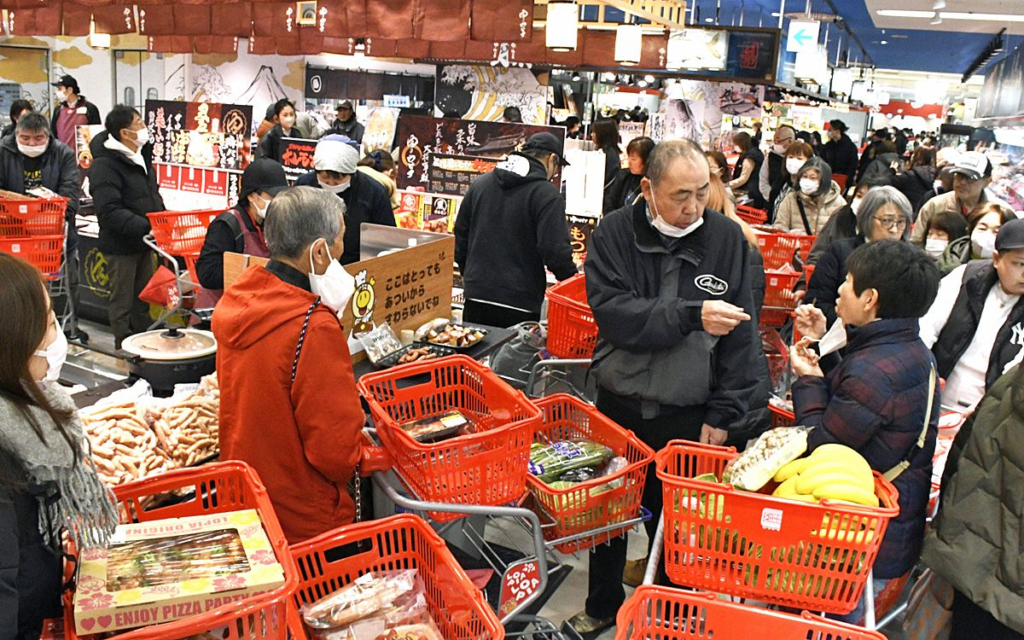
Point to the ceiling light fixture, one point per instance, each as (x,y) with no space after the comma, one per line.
(937,19)
(884,42)
(649,78)
(939,5)
(901,13)
(562,27)
(629,44)
(952,15)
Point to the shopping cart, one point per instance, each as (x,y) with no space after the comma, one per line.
(572,330)
(600,502)
(214,488)
(672,614)
(178,237)
(751,545)
(750,215)
(399,542)
(487,467)
(778,249)
(779,297)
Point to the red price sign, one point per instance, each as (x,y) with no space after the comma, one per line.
(520,581)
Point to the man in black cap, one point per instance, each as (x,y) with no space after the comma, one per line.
(972,174)
(840,152)
(511,224)
(346,124)
(240,229)
(73,110)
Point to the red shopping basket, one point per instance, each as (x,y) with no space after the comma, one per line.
(218,487)
(778,249)
(591,504)
(190,264)
(779,297)
(781,417)
(181,232)
(484,468)
(572,331)
(672,614)
(752,545)
(43,252)
(750,215)
(32,217)
(396,543)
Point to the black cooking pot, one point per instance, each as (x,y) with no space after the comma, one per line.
(168,357)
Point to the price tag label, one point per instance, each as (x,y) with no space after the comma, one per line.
(520,581)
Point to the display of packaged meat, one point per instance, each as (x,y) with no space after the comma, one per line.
(439,427)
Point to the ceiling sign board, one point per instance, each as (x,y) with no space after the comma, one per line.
(803,36)
(812,66)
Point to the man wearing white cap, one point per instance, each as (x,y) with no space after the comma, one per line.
(972,174)
(334,164)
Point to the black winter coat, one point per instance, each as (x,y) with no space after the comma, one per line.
(366,200)
(841,155)
(123,193)
(511,224)
(271,146)
(914,184)
(30,572)
(622,191)
(829,273)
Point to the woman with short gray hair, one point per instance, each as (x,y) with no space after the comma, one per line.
(807,209)
(884,214)
(289,406)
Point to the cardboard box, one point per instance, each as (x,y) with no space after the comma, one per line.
(155,572)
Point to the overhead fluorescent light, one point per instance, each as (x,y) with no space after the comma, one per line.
(629,44)
(562,28)
(983,17)
(951,15)
(901,13)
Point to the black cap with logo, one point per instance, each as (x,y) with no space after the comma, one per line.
(263,175)
(545,141)
(1010,236)
(67,81)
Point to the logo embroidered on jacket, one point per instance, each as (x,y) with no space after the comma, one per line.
(1018,335)
(713,285)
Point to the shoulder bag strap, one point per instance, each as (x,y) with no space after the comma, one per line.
(803,213)
(894,473)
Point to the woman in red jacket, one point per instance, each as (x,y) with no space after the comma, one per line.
(289,405)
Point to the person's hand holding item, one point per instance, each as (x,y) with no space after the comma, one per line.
(803,361)
(720,317)
(810,321)
(712,435)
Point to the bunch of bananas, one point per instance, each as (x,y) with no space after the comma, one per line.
(834,472)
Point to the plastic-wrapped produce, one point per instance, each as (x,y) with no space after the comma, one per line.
(549,462)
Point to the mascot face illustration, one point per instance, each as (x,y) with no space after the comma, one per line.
(363,302)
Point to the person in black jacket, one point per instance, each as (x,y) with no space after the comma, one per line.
(510,225)
(883,215)
(840,152)
(72,111)
(271,146)
(668,281)
(748,167)
(346,123)
(18,109)
(605,136)
(334,169)
(880,144)
(625,188)
(124,190)
(919,179)
(239,229)
(30,158)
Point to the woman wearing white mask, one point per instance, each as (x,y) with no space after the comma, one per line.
(366,200)
(983,223)
(239,230)
(942,230)
(843,223)
(794,158)
(808,208)
(48,486)
(289,406)
(884,214)
(284,115)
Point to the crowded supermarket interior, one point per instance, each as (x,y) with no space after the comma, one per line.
(525,319)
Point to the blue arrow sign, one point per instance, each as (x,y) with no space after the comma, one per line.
(801,37)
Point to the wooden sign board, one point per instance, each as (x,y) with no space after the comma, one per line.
(405,289)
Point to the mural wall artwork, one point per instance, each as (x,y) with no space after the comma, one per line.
(482,92)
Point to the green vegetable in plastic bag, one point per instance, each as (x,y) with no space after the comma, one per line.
(548,462)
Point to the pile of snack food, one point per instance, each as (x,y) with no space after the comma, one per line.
(134,440)
(442,331)
(380,605)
